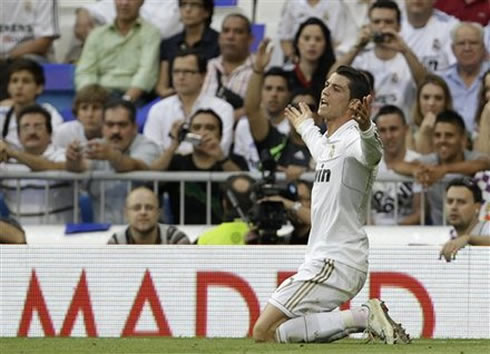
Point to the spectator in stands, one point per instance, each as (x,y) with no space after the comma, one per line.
(296,12)
(11,232)
(122,56)
(28,29)
(88,107)
(227,75)
(466,10)
(427,32)
(34,205)
(433,97)
(196,15)
(463,203)
(449,158)
(188,71)
(287,149)
(482,118)
(464,78)
(386,197)
(142,211)
(394,66)
(314,51)
(25,83)
(207,155)
(121,150)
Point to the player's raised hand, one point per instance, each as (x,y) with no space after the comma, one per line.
(297,115)
(362,113)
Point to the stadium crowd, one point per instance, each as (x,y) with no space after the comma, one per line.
(213,105)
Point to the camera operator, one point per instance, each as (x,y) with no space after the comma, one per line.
(395,67)
(205,133)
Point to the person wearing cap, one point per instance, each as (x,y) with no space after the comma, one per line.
(463,203)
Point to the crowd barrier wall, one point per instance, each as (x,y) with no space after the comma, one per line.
(218,291)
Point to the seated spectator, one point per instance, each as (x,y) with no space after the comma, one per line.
(121,56)
(88,107)
(388,196)
(122,149)
(395,68)
(482,119)
(427,32)
(295,13)
(463,203)
(206,129)
(25,83)
(466,10)
(433,97)
(450,158)
(464,78)
(33,205)
(196,15)
(27,30)
(288,150)
(188,71)
(11,232)
(227,75)
(313,49)
(142,211)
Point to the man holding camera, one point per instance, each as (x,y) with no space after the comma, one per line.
(396,69)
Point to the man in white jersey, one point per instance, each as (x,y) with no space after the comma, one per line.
(336,264)
(463,203)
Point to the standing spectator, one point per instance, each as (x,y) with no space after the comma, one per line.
(395,67)
(464,78)
(295,12)
(463,203)
(314,52)
(121,150)
(88,107)
(28,29)
(142,211)
(32,205)
(121,56)
(25,83)
(466,10)
(427,32)
(196,15)
(388,196)
(433,97)
(227,75)
(188,71)
(482,118)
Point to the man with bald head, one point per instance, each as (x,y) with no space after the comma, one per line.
(142,211)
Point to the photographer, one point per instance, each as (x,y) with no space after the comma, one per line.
(396,69)
(205,132)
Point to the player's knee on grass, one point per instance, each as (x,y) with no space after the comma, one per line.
(263,332)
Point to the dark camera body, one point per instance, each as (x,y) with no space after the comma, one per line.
(379,37)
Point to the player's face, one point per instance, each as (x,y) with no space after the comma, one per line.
(311,43)
(186,77)
(22,87)
(461,209)
(432,99)
(275,94)
(392,132)
(142,210)
(335,97)
(90,114)
(449,143)
(468,47)
(118,130)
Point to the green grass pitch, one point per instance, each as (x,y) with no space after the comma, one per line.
(225,345)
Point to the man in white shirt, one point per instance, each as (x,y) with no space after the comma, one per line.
(188,71)
(427,32)
(335,266)
(395,68)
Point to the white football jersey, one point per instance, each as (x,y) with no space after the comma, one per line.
(345,171)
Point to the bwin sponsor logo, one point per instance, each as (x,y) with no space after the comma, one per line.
(322,175)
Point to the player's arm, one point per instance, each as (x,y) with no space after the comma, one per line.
(371,145)
(301,119)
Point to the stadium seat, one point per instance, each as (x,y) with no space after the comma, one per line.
(4,210)
(86,208)
(258,31)
(59,89)
(225,3)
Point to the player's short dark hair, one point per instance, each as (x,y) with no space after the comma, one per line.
(468,183)
(29,65)
(370,78)
(390,109)
(211,112)
(278,71)
(202,62)
(451,117)
(120,103)
(35,108)
(387,4)
(358,82)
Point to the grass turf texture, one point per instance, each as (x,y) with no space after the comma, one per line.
(225,345)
